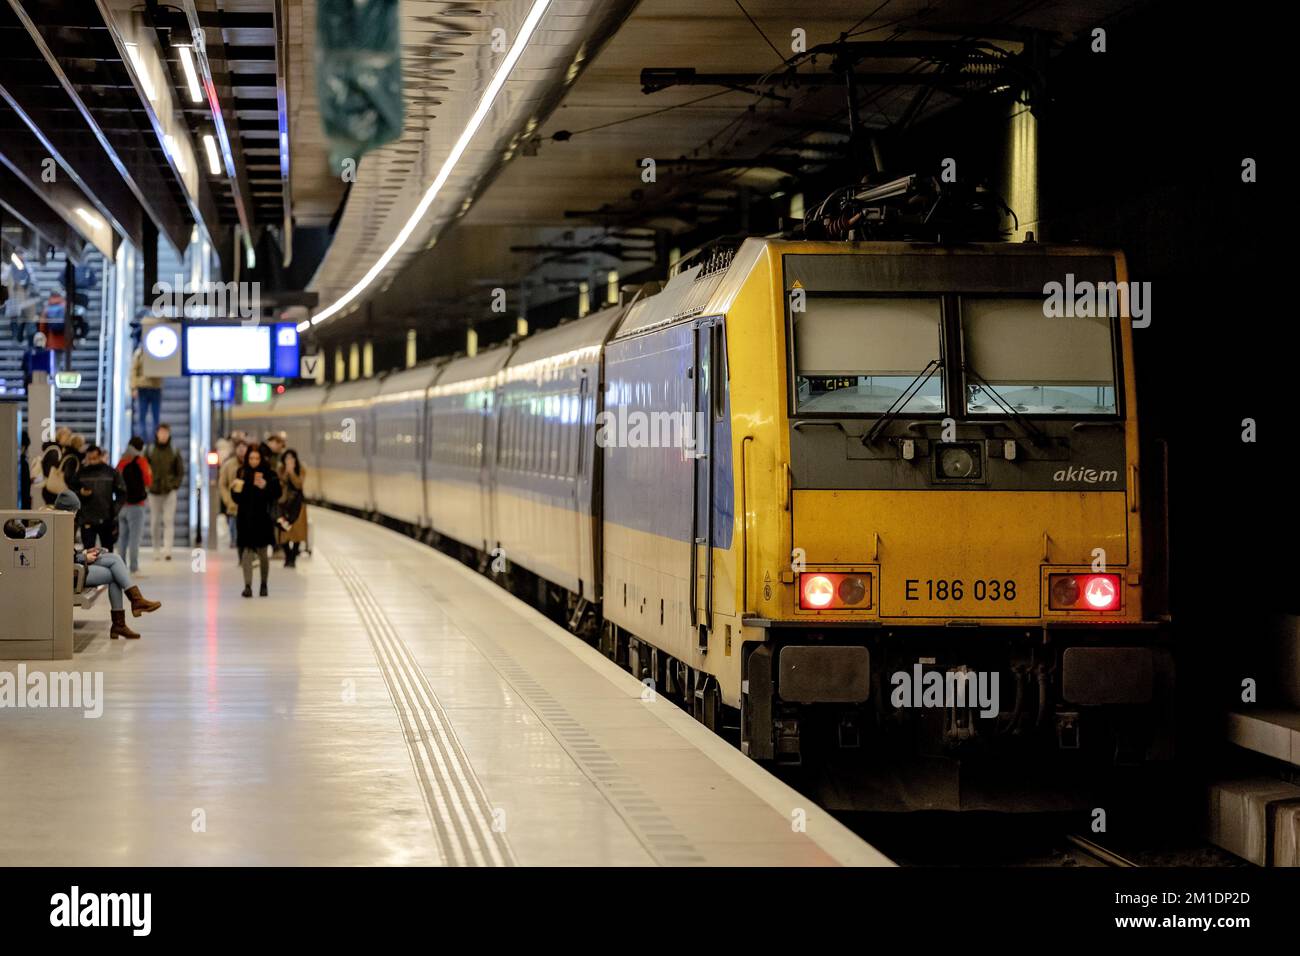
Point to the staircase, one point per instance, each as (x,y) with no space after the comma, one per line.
(82,408)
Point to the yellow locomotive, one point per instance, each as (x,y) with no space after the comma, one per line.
(916,539)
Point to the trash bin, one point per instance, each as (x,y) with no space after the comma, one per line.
(36,585)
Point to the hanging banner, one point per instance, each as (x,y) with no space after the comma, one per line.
(358,76)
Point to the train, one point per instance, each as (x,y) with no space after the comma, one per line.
(863,507)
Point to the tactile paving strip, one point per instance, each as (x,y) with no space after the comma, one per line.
(459,810)
(653,828)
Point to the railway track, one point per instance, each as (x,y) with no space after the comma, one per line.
(1088,853)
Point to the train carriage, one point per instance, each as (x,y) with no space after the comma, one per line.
(399,456)
(461,429)
(544,473)
(344,423)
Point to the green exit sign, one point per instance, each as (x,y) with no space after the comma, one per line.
(67,379)
(255,391)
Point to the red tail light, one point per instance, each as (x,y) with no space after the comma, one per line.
(1101,591)
(822,591)
(1084,592)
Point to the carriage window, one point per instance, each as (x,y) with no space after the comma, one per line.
(1038,365)
(512,436)
(858,355)
(534,438)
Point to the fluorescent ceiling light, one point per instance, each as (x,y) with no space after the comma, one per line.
(191,77)
(142,74)
(444,173)
(210,146)
(93,221)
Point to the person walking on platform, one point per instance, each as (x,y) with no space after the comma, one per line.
(291,524)
(102,568)
(103,492)
(168,476)
(255,491)
(147,394)
(225,479)
(137,478)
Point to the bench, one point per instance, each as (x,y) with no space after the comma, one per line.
(83,596)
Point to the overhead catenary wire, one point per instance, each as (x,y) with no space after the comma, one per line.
(563,135)
(779,55)
(849,31)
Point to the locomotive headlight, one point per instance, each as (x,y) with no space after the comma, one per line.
(1084,592)
(958,461)
(830,591)
(852,589)
(817,591)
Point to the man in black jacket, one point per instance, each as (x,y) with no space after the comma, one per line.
(102,494)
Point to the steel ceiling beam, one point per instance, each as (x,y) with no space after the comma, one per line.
(282,116)
(124,152)
(34,213)
(26,160)
(31,141)
(221,104)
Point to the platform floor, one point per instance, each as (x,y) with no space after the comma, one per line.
(384,705)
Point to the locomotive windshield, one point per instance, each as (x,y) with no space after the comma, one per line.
(1038,365)
(856,355)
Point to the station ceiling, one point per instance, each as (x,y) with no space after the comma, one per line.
(571,202)
(550,190)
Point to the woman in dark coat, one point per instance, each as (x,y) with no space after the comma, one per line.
(256,490)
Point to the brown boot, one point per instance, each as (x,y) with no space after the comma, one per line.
(141,604)
(119,628)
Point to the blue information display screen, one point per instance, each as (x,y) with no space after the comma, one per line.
(212,349)
(227,349)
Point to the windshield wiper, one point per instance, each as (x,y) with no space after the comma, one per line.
(900,403)
(1034,434)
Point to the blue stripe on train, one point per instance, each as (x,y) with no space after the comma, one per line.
(649,488)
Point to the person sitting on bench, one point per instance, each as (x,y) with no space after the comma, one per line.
(104,567)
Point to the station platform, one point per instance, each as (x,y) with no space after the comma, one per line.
(384,705)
